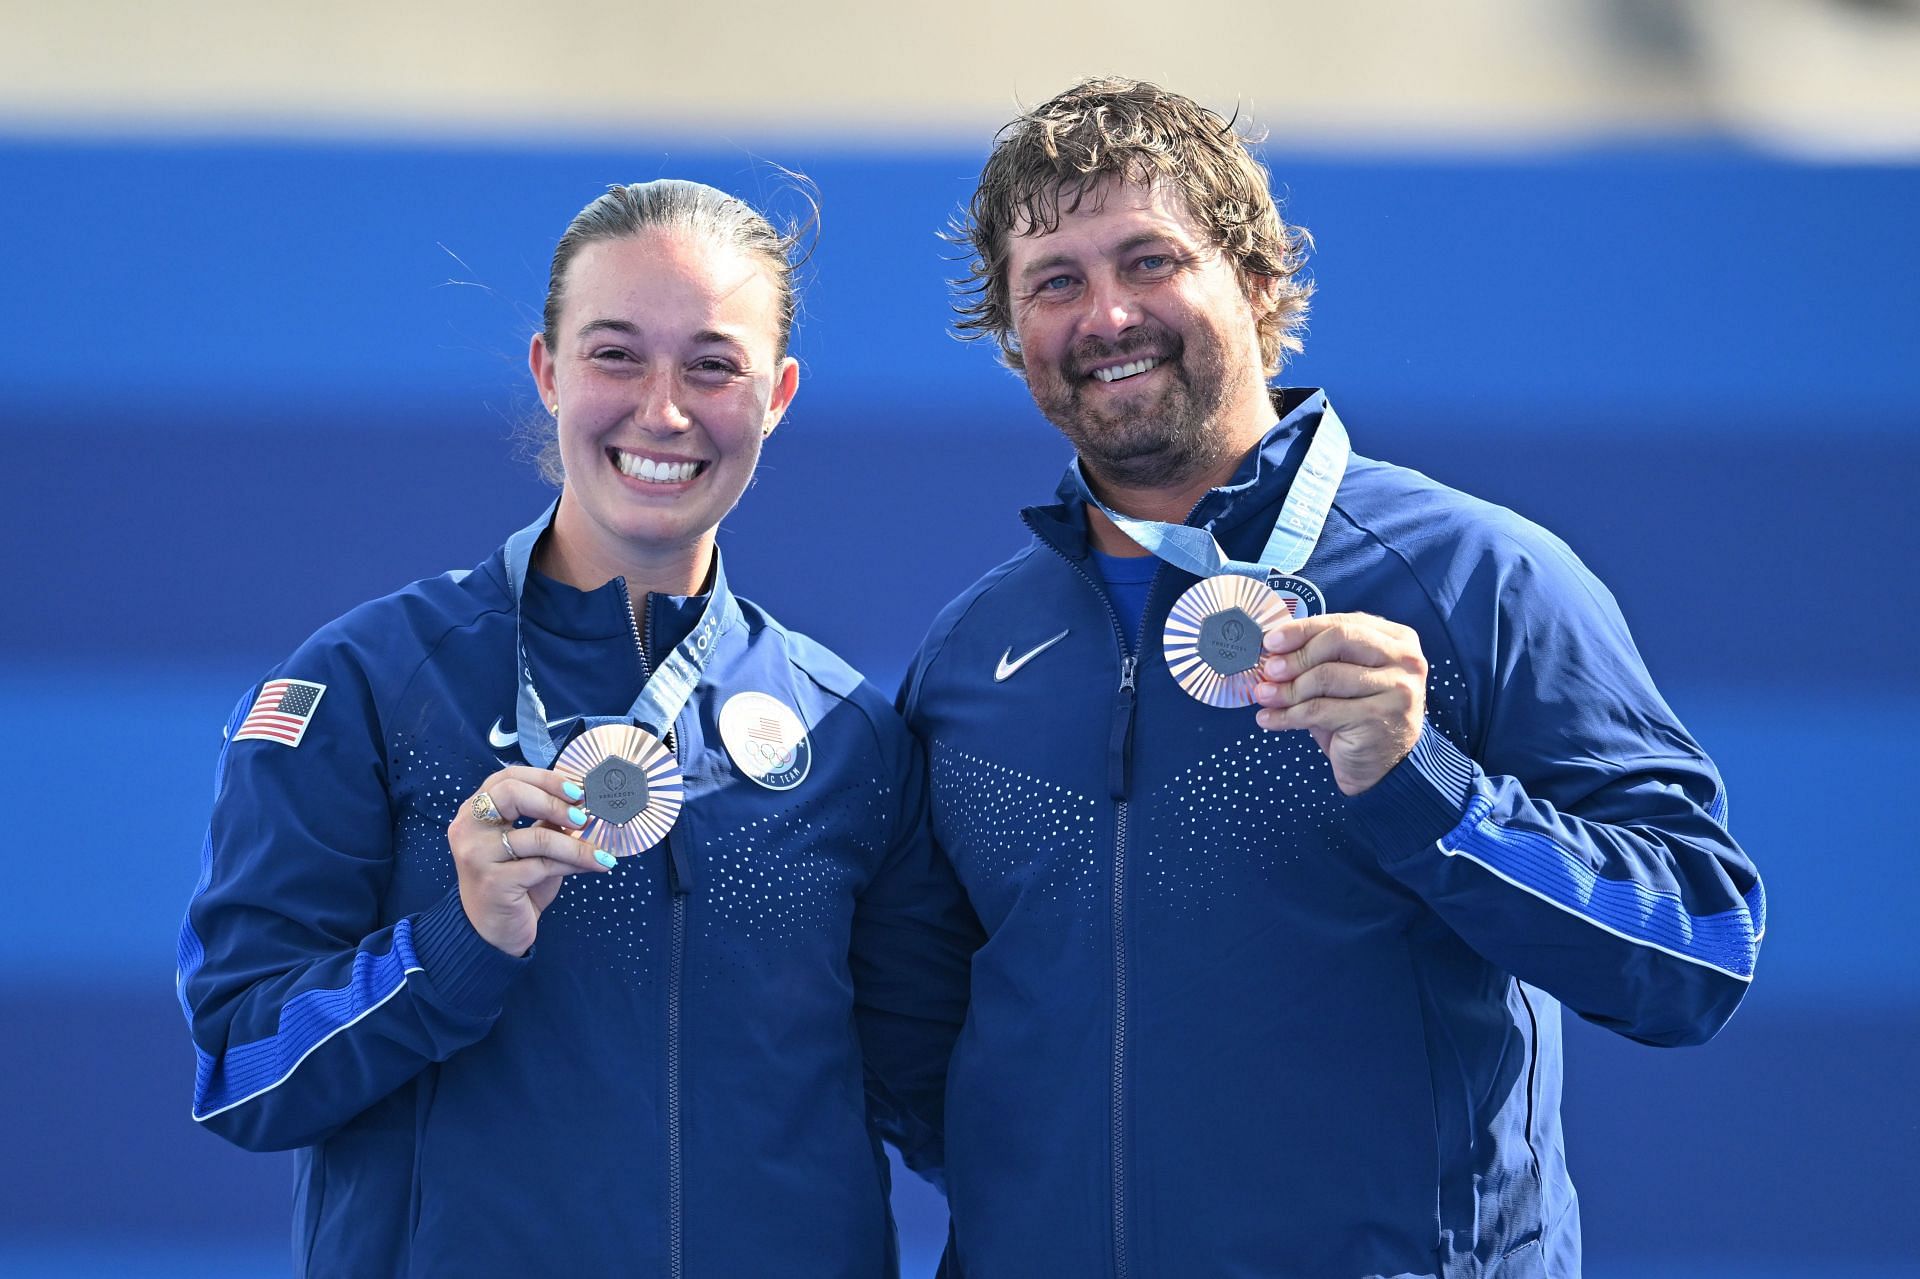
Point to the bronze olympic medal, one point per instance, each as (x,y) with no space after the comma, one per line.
(633,784)
(1212,640)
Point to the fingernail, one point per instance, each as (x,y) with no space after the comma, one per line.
(605,858)
(578,816)
(1276,668)
(574,790)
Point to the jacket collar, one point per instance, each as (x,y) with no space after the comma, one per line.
(600,614)
(1261,479)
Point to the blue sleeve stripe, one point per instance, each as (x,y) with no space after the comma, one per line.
(1531,861)
(307,1021)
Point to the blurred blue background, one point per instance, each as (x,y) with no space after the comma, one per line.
(253,376)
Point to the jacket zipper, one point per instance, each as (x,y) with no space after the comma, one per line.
(675,965)
(1117,1102)
(1119,784)
(679,881)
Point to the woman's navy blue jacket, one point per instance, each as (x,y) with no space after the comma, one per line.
(679,1078)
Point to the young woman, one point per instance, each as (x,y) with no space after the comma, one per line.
(570,915)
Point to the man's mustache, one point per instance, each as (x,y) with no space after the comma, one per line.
(1089,352)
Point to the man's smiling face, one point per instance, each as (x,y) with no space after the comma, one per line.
(1139,341)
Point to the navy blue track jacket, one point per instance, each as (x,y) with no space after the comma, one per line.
(672,1082)
(1228,1022)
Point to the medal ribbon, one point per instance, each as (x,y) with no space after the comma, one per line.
(663,697)
(1295,531)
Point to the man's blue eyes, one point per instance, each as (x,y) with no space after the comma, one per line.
(1152,262)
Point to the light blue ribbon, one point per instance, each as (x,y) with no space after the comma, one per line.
(1296,530)
(664,696)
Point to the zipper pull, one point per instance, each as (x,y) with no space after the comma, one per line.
(1120,732)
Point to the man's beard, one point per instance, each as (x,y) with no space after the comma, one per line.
(1164,440)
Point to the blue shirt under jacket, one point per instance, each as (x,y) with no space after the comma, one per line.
(1228,1022)
(679,1077)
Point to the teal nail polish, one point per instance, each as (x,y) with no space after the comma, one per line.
(574,790)
(578,816)
(605,858)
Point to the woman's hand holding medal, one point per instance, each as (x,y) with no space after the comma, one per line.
(509,874)
(1357,682)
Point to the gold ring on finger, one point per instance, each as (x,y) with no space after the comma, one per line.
(485,811)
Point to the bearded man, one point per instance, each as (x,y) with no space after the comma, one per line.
(1295,792)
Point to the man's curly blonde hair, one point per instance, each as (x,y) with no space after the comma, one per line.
(1053,158)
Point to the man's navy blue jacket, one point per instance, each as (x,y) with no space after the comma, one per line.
(1229,1022)
(673,1080)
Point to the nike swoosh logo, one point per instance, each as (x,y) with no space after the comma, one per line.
(500,737)
(1009,664)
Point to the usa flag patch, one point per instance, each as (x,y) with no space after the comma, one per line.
(282,712)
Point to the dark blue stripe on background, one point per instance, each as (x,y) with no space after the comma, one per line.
(1704,543)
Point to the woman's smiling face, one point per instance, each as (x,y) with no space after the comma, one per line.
(667,374)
